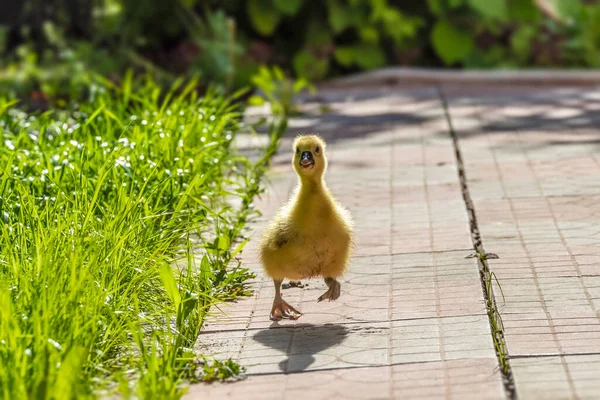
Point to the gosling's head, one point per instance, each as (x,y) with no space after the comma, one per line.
(309,156)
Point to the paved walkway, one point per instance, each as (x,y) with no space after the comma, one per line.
(412,320)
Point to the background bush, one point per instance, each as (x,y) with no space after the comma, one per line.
(49,46)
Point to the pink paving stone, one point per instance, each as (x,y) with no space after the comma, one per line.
(558,377)
(411,321)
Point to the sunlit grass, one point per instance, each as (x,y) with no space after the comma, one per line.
(103,212)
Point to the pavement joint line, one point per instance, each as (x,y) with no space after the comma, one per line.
(412,252)
(331,369)
(511,278)
(391,176)
(441,344)
(550,355)
(543,319)
(486,276)
(299,326)
(549,196)
(244,339)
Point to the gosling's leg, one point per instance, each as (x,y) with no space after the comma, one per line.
(281,309)
(333,292)
(292,284)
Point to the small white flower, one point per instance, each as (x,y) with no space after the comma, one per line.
(122,161)
(55,344)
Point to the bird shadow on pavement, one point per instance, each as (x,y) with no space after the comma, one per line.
(301,343)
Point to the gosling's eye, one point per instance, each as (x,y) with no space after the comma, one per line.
(297,149)
(318,150)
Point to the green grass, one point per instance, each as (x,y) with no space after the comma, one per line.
(120,220)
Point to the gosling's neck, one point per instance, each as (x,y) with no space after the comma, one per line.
(312,184)
(311,201)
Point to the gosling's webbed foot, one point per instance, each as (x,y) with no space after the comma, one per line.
(333,292)
(292,284)
(281,309)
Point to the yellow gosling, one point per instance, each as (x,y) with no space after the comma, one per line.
(311,235)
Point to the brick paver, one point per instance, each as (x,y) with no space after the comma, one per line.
(532,159)
(411,321)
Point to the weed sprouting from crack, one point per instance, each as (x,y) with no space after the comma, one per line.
(487,278)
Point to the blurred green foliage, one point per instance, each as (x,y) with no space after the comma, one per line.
(515,33)
(49,47)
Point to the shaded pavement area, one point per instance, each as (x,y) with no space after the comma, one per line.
(412,320)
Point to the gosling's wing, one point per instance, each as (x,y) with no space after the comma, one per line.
(277,236)
(281,238)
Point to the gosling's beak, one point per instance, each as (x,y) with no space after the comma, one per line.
(306,160)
